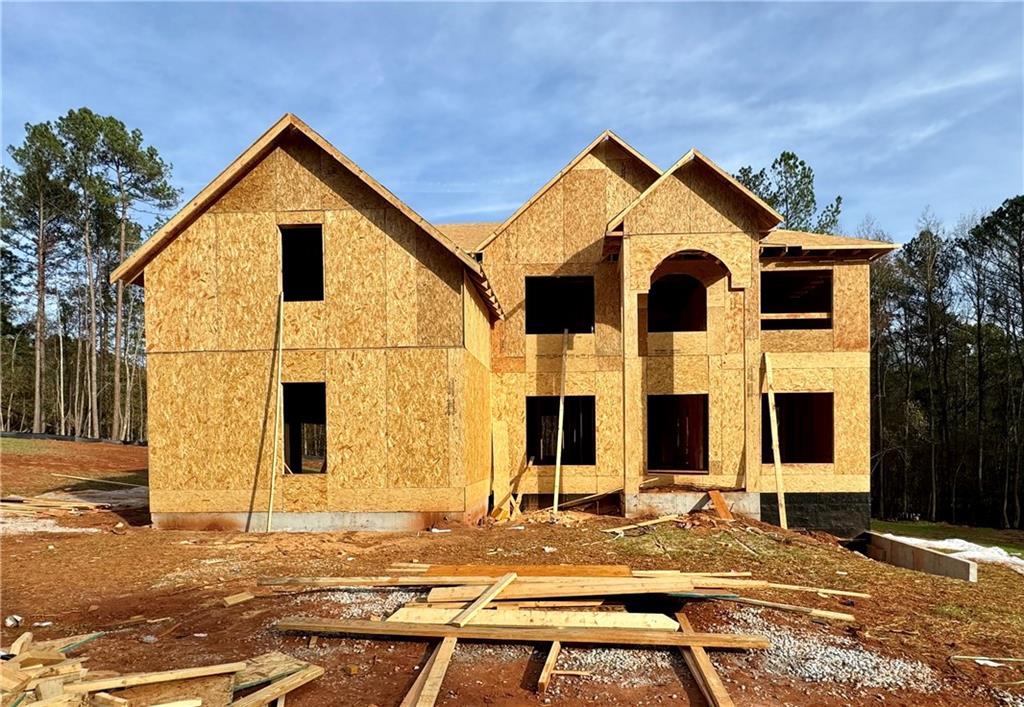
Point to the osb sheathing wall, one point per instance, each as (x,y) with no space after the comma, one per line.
(561,233)
(697,212)
(388,340)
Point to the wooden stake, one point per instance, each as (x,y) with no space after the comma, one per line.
(561,421)
(548,670)
(278,403)
(776,456)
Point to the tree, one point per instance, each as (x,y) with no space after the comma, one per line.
(81,132)
(36,204)
(139,176)
(788,187)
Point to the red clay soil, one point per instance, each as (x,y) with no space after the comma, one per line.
(99,580)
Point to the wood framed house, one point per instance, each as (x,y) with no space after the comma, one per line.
(421,366)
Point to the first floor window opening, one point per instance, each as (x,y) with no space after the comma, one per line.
(677,432)
(578,438)
(305,428)
(556,304)
(806,434)
(302,263)
(796,299)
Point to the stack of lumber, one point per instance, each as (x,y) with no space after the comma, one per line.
(552,605)
(43,673)
(38,505)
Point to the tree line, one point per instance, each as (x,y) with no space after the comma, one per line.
(947,352)
(77,194)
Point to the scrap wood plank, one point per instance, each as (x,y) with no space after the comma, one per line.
(433,676)
(21,643)
(420,580)
(642,524)
(596,636)
(819,590)
(526,617)
(549,667)
(233,599)
(561,422)
(265,668)
(463,617)
(416,692)
(99,481)
(528,570)
(815,613)
(105,699)
(581,587)
(279,688)
(703,671)
(681,573)
(12,679)
(721,507)
(150,678)
(506,605)
(780,490)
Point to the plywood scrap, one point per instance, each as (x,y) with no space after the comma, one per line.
(21,643)
(534,617)
(703,671)
(596,636)
(155,677)
(463,617)
(12,678)
(548,670)
(279,688)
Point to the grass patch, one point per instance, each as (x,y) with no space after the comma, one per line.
(1010,540)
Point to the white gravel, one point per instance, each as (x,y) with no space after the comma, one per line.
(16,524)
(629,667)
(833,659)
(361,603)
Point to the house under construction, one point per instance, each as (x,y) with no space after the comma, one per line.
(319,350)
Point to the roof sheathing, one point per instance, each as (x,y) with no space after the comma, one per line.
(132,268)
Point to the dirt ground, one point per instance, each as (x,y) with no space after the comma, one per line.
(101,578)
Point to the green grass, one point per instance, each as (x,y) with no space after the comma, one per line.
(1010,540)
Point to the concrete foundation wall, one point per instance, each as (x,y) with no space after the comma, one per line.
(663,504)
(842,514)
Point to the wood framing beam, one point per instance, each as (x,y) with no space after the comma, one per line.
(466,615)
(547,672)
(561,421)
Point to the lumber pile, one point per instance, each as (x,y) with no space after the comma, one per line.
(20,505)
(553,605)
(44,673)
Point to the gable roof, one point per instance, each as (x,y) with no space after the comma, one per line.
(606,135)
(468,236)
(769,217)
(132,268)
(785,243)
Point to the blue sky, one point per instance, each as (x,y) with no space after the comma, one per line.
(464,110)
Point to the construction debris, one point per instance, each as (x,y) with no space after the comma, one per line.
(43,674)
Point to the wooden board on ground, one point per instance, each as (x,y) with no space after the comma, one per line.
(548,670)
(279,688)
(703,671)
(214,691)
(155,677)
(529,570)
(512,617)
(464,616)
(569,588)
(266,668)
(595,636)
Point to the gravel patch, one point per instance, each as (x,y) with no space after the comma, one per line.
(833,659)
(1008,699)
(11,524)
(361,603)
(629,667)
